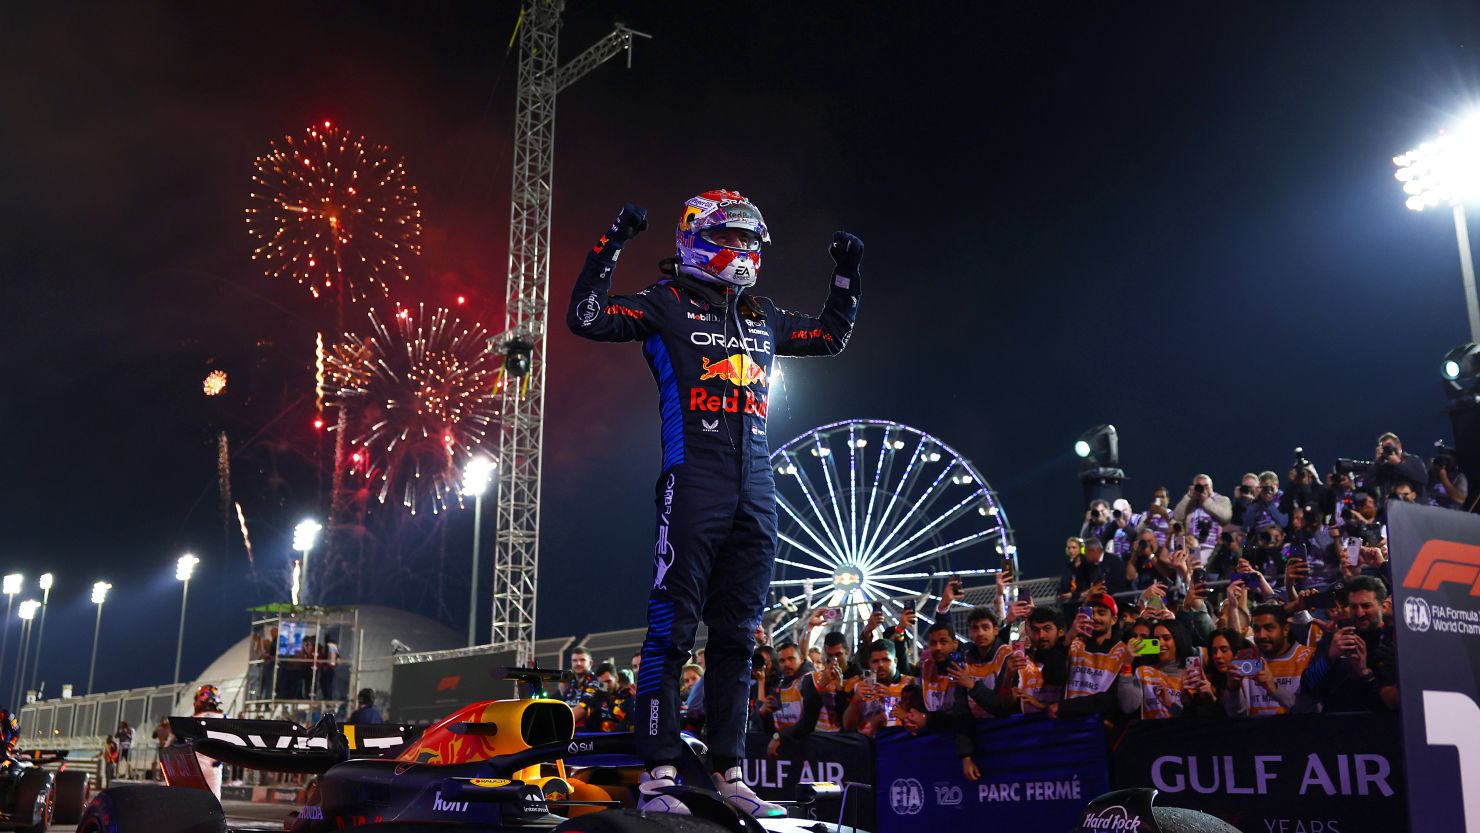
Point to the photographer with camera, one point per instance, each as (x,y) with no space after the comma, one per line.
(1142,558)
(1310,542)
(1354,667)
(1392,466)
(1243,495)
(1158,517)
(1098,522)
(1264,510)
(1204,512)
(1448,488)
(1305,486)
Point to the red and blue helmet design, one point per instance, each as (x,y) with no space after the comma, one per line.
(207,699)
(704,259)
(10,730)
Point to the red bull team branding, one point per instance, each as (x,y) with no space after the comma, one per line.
(739,370)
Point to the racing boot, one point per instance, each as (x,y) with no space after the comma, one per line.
(731,785)
(650,800)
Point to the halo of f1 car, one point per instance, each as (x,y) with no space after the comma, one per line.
(492,767)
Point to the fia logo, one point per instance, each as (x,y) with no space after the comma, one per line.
(1416,615)
(906,797)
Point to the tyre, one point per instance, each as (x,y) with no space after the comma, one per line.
(139,809)
(631,821)
(70,796)
(33,797)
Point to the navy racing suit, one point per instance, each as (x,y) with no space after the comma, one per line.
(711,355)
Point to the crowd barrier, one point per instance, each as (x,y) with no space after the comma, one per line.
(1318,773)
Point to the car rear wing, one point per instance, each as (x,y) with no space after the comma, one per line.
(284,746)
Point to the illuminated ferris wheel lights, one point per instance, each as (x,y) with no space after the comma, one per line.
(962,479)
(897,444)
(821,451)
(986,511)
(858,443)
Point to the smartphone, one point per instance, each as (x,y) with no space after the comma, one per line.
(869,676)
(1149,648)
(831,614)
(1351,551)
(1199,575)
(878,607)
(1248,667)
(1193,665)
(1156,603)
(1250,580)
(1020,647)
(1025,596)
(1087,612)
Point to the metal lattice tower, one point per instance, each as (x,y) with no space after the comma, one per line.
(521,432)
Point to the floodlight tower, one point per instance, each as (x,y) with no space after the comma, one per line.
(1446,172)
(526,311)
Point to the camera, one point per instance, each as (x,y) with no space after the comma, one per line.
(1389,449)
(1200,488)
(1300,463)
(1244,491)
(1267,489)
(1348,465)
(1444,458)
(1116,514)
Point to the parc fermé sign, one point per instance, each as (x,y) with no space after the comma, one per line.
(1436,606)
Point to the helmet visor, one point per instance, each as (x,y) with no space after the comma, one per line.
(733,237)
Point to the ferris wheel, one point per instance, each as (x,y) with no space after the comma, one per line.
(876,513)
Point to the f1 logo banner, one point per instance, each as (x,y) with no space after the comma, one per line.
(1436,605)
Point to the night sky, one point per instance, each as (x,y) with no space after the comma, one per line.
(1179,221)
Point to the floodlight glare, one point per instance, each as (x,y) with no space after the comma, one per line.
(1445,171)
(305,535)
(185,567)
(477,475)
(1451,369)
(28,609)
(46,580)
(12,584)
(1081,448)
(100,592)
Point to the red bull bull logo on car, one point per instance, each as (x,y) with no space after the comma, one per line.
(739,370)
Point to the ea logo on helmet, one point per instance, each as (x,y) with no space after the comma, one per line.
(906,796)
(1416,615)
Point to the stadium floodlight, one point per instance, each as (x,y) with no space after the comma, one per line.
(476,477)
(29,608)
(305,536)
(1446,172)
(46,581)
(184,569)
(99,595)
(12,583)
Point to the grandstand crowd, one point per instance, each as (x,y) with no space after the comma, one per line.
(1274,600)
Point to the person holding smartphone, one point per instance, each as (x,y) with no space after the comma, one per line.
(1153,686)
(1354,667)
(1269,679)
(1095,659)
(1035,670)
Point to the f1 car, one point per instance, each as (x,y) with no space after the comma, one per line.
(492,767)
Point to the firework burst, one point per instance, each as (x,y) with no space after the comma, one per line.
(419,395)
(334,213)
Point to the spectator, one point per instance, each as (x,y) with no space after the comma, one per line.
(367,712)
(1448,488)
(1095,658)
(911,714)
(831,680)
(1142,556)
(267,651)
(1158,517)
(814,656)
(1392,466)
(797,705)
(876,695)
(1402,492)
(1230,550)
(1097,522)
(1122,528)
(163,736)
(1268,554)
(110,758)
(1271,684)
(326,666)
(1073,549)
(1243,495)
(835,652)
(1354,667)
(762,682)
(637,663)
(692,718)
(901,635)
(1096,572)
(1036,669)
(1210,689)
(1203,512)
(1305,488)
(581,678)
(941,667)
(1361,521)
(1168,568)
(982,661)
(1339,491)
(125,736)
(1310,541)
(1264,510)
(1153,688)
(606,705)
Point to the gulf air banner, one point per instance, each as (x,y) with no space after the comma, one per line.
(1436,605)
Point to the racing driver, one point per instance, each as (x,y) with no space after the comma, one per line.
(710,344)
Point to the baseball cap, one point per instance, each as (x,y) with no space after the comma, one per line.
(1104,600)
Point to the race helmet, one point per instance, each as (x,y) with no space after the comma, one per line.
(702,258)
(207,699)
(10,730)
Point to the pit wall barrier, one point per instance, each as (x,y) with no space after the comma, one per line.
(1319,773)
